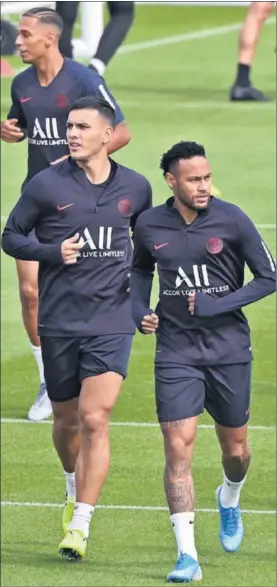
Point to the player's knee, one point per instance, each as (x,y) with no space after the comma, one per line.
(236,448)
(28,296)
(177,446)
(96,422)
(66,420)
(262,10)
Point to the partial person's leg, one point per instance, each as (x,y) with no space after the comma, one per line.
(121,19)
(27,272)
(60,356)
(257,14)
(179,437)
(97,398)
(180,399)
(108,356)
(66,439)
(235,460)
(228,403)
(68,11)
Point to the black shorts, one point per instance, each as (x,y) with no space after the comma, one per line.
(183,391)
(67,361)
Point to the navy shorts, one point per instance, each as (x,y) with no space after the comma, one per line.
(184,391)
(67,361)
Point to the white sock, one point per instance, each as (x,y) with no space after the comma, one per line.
(183,526)
(99,65)
(37,354)
(70,485)
(230,492)
(81,517)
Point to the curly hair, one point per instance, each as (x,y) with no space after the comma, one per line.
(182,150)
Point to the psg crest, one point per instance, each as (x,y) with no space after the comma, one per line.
(214,245)
(124,207)
(62,101)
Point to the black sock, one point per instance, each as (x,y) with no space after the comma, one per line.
(243,75)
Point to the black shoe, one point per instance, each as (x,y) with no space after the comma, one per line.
(247,93)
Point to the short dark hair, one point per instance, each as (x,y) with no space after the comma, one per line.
(94,103)
(182,150)
(46,16)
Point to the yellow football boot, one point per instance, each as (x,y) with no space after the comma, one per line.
(67,515)
(73,546)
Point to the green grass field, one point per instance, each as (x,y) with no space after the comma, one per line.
(168,93)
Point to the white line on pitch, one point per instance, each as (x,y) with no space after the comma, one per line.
(148,508)
(173,40)
(242,106)
(193,36)
(268,226)
(125,424)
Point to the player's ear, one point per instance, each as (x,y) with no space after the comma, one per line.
(170,180)
(107,135)
(50,39)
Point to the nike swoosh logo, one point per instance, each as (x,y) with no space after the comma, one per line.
(22,100)
(61,208)
(157,247)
